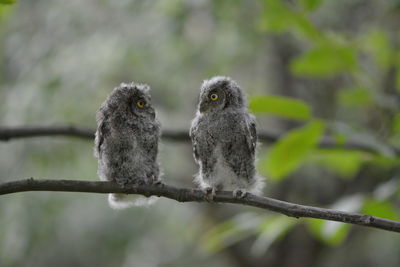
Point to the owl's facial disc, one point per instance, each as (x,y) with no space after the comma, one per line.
(213,100)
(142,108)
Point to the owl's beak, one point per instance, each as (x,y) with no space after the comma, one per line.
(153,114)
(203,107)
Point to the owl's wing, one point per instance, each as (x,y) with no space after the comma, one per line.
(101,133)
(193,137)
(252,134)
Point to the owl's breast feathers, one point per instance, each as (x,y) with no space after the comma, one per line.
(133,137)
(228,130)
(150,143)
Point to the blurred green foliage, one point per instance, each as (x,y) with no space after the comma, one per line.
(345,163)
(325,60)
(271,228)
(381,208)
(291,150)
(7,2)
(334,233)
(329,54)
(321,68)
(310,5)
(279,17)
(331,233)
(231,231)
(281,106)
(355,97)
(267,229)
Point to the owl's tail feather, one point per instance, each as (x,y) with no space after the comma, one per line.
(258,185)
(123,201)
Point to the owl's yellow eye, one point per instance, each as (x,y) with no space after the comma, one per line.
(213,97)
(140,104)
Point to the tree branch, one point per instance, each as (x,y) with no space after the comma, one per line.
(195,195)
(9,133)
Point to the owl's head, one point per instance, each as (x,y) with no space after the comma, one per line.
(219,93)
(129,101)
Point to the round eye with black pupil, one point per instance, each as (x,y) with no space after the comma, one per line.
(140,103)
(213,97)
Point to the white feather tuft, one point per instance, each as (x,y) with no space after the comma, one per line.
(123,201)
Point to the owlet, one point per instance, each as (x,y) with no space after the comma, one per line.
(224,140)
(126,142)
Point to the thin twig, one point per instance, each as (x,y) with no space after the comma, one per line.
(194,195)
(9,133)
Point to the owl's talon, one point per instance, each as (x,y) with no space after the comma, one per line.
(122,184)
(210,193)
(158,183)
(140,182)
(239,193)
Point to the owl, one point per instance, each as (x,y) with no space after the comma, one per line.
(126,141)
(224,140)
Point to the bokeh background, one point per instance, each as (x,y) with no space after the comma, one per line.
(311,68)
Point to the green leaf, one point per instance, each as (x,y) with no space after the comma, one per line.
(7,2)
(355,97)
(291,150)
(276,16)
(281,106)
(331,233)
(334,233)
(303,27)
(279,17)
(346,163)
(325,61)
(5,10)
(230,231)
(398,77)
(396,124)
(340,139)
(220,236)
(384,161)
(271,229)
(310,5)
(377,43)
(380,208)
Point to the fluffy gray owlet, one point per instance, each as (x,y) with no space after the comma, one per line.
(224,140)
(126,142)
